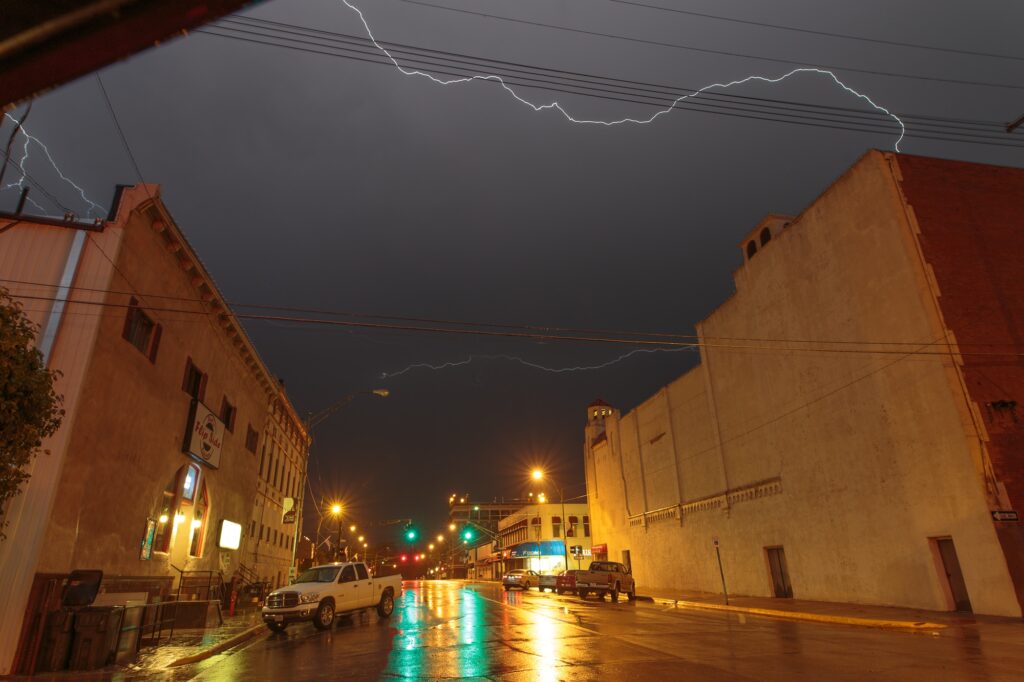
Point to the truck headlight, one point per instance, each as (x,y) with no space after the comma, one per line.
(311,596)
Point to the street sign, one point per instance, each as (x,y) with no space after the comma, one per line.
(1005,515)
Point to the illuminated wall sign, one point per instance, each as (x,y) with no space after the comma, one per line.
(230,535)
(205,435)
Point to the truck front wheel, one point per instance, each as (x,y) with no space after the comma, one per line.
(386,605)
(324,615)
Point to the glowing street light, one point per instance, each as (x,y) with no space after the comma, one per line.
(440,538)
(335,509)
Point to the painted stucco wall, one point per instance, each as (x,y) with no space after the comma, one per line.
(851,461)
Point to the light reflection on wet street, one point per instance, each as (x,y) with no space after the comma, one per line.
(455,630)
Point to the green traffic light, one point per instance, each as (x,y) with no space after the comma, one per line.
(468,535)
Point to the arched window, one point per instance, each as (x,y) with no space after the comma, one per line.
(556,526)
(751,248)
(200,520)
(166,519)
(766,236)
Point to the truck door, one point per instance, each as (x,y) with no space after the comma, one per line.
(362,588)
(348,590)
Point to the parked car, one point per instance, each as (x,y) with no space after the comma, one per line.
(521,578)
(322,592)
(547,581)
(565,583)
(605,577)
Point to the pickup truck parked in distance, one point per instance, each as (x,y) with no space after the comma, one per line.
(322,592)
(605,577)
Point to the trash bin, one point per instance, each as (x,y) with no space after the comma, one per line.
(56,643)
(96,632)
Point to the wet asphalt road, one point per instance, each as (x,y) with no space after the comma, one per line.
(455,630)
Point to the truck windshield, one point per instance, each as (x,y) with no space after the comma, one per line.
(327,574)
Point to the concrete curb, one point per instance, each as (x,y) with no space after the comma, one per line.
(917,626)
(217,648)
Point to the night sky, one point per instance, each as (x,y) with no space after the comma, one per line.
(318,182)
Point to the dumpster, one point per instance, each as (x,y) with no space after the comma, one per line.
(96,633)
(55,647)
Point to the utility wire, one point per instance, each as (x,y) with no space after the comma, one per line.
(625,86)
(531,335)
(828,34)
(545,329)
(690,105)
(726,53)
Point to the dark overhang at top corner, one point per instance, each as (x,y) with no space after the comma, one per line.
(46,43)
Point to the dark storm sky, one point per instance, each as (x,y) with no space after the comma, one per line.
(312,181)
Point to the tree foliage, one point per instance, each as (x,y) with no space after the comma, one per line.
(30,410)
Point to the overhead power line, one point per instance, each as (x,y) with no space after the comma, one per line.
(544,78)
(828,34)
(541,336)
(705,50)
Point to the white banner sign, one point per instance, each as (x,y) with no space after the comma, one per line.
(206,435)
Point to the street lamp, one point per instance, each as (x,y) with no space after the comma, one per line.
(336,510)
(312,420)
(538,475)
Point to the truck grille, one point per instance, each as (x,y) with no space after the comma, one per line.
(283,600)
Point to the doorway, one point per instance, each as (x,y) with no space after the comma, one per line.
(954,576)
(781,587)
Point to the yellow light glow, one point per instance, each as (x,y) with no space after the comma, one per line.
(178,518)
(440,538)
(163,518)
(361,538)
(537,474)
(543,498)
(430,546)
(451,526)
(352,528)
(196,523)
(335,509)
(462,500)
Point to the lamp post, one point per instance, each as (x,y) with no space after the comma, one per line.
(336,510)
(538,475)
(312,420)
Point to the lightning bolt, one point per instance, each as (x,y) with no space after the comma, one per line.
(24,159)
(556,106)
(527,363)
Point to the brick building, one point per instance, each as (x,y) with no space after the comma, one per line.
(160,460)
(853,431)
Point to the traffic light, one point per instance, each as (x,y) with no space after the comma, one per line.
(404,558)
(468,534)
(411,533)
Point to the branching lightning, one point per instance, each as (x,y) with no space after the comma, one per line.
(527,363)
(556,106)
(20,182)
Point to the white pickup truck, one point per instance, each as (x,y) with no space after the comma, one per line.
(322,592)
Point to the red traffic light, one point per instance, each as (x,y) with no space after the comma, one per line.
(404,558)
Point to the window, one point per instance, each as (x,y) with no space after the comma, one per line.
(262,528)
(188,484)
(586,526)
(165,520)
(251,440)
(227,414)
(348,574)
(751,248)
(361,572)
(199,523)
(263,457)
(252,529)
(140,330)
(570,531)
(194,382)
(556,526)
(766,236)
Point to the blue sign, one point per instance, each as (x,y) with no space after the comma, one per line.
(545,548)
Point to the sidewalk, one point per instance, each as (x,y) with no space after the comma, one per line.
(191,646)
(826,612)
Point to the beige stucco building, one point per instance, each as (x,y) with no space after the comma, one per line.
(852,431)
(177,441)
